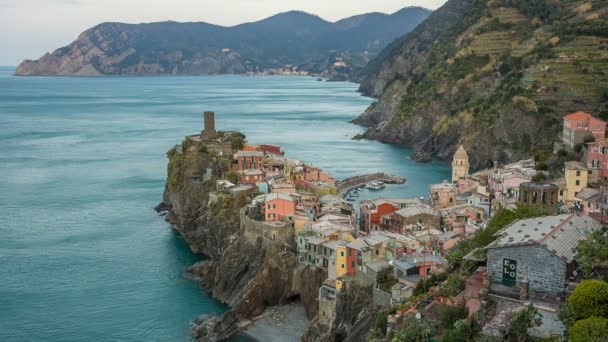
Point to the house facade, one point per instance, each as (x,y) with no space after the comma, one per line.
(278,207)
(579,125)
(537,253)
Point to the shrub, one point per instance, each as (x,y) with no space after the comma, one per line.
(448,315)
(590,298)
(521,321)
(463,330)
(593,329)
(592,252)
(415,331)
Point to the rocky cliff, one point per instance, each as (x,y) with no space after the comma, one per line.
(245,271)
(354,316)
(491,75)
(292,38)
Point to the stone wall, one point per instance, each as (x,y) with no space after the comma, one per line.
(545,271)
(282,232)
(381,298)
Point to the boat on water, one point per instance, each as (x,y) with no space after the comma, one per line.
(375,186)
(353,194)
(319,79)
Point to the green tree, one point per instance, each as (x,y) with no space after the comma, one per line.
(521,321)
(233,177)
(592,252)
(237,143)
(592,329)
(590,298)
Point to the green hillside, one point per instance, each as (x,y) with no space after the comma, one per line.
(499,78)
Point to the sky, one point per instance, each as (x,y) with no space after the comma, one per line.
(30,28)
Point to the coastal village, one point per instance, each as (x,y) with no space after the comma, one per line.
(445,251)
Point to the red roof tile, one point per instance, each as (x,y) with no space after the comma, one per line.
(577,116)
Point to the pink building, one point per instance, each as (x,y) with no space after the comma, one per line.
(596,158)
(579,125)
(279,207)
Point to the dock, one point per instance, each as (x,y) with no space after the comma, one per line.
(346,185)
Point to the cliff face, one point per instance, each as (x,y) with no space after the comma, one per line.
(490,75)
(292,38)
(245,271)
(353,319)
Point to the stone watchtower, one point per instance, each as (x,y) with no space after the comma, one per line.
(460,164)
(209,131)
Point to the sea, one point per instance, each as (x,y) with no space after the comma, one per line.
(83,256)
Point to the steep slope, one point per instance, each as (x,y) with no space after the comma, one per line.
(244,270)
(490,75)
(291,38)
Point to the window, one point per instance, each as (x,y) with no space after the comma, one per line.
(342,266)
(350,252)
(352,264)
(578,182)
(578,173)
(451,200)
(561,192)
(377,252)
(341,253)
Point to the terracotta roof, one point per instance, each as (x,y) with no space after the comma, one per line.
(577,116)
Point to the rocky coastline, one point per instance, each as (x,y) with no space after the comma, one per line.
(248,273)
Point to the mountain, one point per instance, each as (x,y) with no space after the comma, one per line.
(496,76)
(283,40)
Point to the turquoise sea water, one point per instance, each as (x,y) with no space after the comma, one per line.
(82,164)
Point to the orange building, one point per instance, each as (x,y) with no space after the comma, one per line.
(249,160)
(279,207)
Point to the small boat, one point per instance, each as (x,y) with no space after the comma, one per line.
(376,186)
(319,79)
(350,199)
(356,194)
(163,213)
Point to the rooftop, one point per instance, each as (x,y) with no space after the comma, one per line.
(273,196)
(560,234)
(577,116)
(248,154)
(378,265)
(416,210)
(575,165)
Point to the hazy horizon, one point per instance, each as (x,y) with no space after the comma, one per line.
(31,28)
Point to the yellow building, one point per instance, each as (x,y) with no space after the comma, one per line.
(460,164)
(341,260)
(576,178)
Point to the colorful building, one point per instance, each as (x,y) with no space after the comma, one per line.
(271,149)
(249,160)
(576,177)
(443,195)
(596,159)
(402,220)
(278,207)
(579,125)
(371,213)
